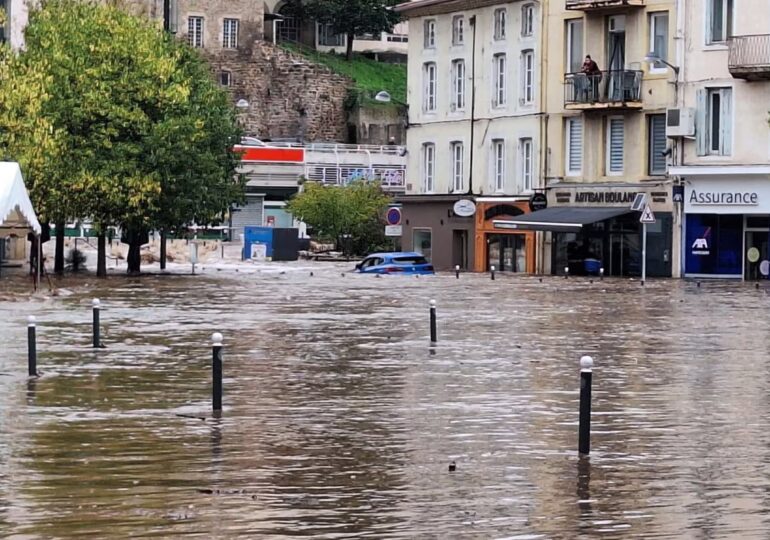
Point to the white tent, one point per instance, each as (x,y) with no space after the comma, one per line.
(15,207)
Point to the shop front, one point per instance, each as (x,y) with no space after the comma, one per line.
(508,250)
(727,227)
(589,227)
(441,227)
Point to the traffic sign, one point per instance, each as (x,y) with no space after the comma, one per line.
(393,230)
(393,217)
(647,215)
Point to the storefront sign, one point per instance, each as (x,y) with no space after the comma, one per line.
(752,255)
(723,198)
(538,201)
(605,197)
(727,196)
(465,208)
(678,193)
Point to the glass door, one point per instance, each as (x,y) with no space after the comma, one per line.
(758,240)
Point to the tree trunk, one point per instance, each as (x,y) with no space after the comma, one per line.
(58,262)
(349,52)
(134,258)
(163,250)
(101,255)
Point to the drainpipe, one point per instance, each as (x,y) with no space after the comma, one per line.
(472,22)
(678,247)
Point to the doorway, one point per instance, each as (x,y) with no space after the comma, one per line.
(759,240)
(616,55)
(507,252)
(460,248)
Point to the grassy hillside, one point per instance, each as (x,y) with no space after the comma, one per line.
(370,76)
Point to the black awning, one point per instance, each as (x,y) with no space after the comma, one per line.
(563,219)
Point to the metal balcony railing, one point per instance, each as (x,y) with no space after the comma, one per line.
(749,56)
(587,5)
(616,87)
(391,177)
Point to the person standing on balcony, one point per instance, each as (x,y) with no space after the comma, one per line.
(594,74)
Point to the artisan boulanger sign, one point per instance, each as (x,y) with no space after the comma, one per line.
(596,197)
(729,198)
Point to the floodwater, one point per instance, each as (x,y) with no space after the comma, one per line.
(339,422)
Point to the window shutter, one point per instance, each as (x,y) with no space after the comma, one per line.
(701,125)
(657,144)
(726,122)
(617,142)
(575,150)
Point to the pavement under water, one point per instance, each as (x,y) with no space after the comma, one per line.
(339,421)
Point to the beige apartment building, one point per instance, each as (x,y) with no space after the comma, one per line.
(725,164)
(606,136)
(475,129)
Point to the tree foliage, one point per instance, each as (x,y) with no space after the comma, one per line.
(354,17)
(333,211)
(135,131)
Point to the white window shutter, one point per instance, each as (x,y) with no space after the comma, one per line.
(726,121)
(617,143)
(575,149)
(701,124)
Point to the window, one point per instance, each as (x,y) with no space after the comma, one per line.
(713,130)
(656,161)
(428,167)
(458,30)
(225,78)
(429,29)
(528,77)
(574,129)
(230,34)
(574,45)
(501,18)
(458,84)
(457,166)
(498,164)
(527,19)
(659,38)
(328,38)
(421,242)
(616,134)
(195,31)
(500,95)
(525,149)
(429,78)
(719,17)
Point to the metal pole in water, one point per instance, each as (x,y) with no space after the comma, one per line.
(216,370)
(492,272)
(96,334)
(566,272)
(644,253)
(601,273)
(457,271)
(31,346)
(586,374)
(433,336)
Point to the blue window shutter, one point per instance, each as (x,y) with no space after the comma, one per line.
(701,125)
(726,122)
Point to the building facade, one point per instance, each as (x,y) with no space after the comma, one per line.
(725,164)
(606,136)
(475,131)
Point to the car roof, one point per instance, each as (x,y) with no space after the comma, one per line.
(393,254)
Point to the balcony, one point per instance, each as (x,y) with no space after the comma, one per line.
(613,90)
(750,57)
(602,5)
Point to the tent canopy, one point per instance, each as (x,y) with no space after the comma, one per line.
(561,219)
(15,207)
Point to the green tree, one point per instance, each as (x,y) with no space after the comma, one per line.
(354,17)
(334,211)
(129,106)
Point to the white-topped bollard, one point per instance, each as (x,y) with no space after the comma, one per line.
(584,430)
(492,272)
(216,371)
(32,346)
(433,333)
(457,271)
(566,272)
(601,273)
(96,305)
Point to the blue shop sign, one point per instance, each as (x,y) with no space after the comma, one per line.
(713,244)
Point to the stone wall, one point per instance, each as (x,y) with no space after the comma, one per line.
(288,96)
(379,124)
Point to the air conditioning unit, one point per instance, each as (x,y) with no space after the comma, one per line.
(680,122)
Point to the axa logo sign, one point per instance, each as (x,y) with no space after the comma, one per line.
(701,245)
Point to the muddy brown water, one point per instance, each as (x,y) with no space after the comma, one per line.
(339,422)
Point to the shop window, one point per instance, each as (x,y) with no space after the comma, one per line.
(713,244)
(422,242)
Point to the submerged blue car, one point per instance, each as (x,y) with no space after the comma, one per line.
(395,263)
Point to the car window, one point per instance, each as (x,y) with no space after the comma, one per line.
(410,260)
(371,261)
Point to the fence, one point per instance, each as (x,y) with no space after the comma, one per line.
(614,86)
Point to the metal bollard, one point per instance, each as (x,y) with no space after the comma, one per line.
(457,271)
(433,333)
(584,435)
(216,371)
(601,274)
(566,272)
(492,272)
(31,346)
(96,332)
